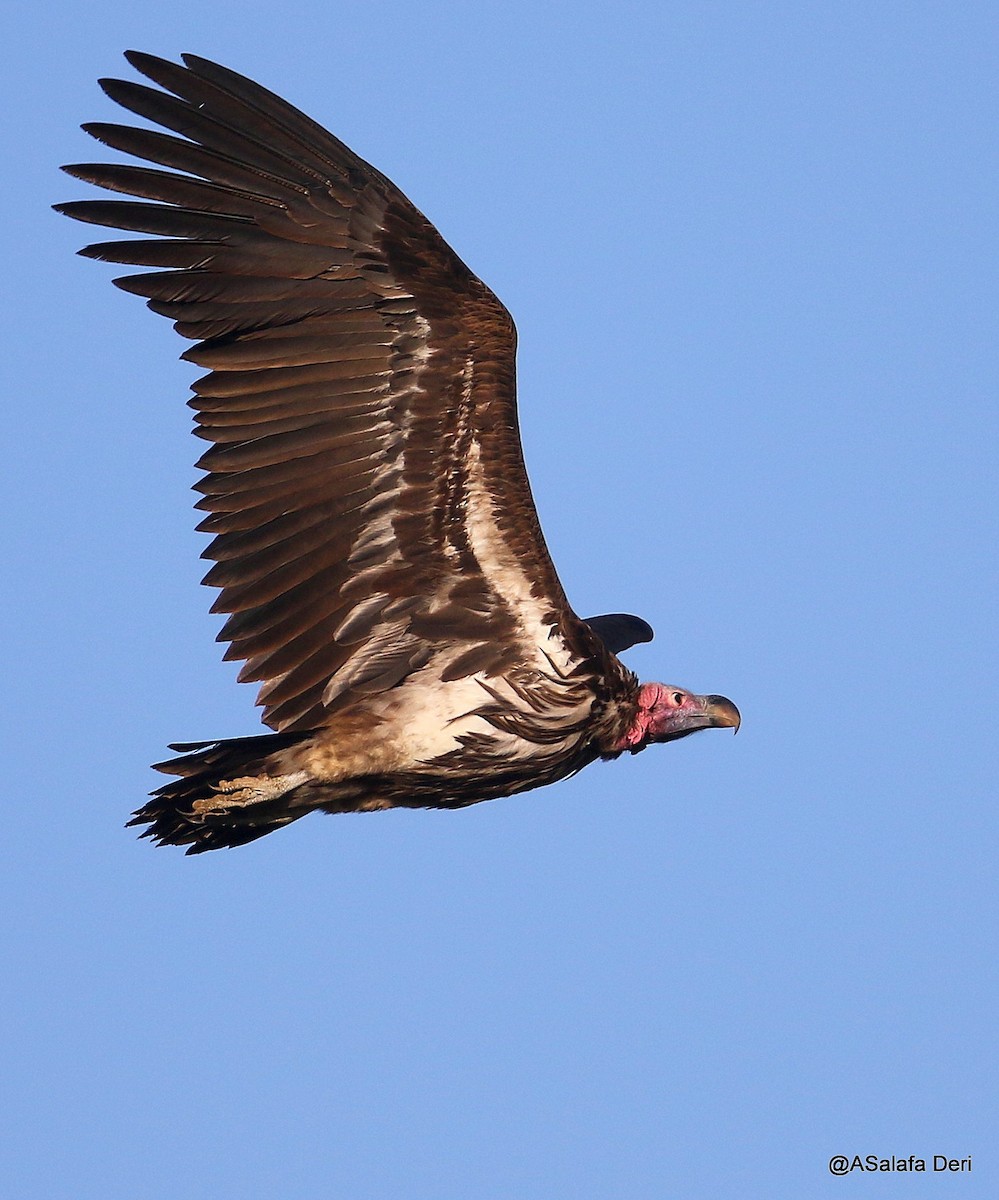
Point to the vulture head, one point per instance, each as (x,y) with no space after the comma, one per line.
(667,713)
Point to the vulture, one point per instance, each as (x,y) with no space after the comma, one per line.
(375,538)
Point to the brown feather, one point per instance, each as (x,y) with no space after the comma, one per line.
(355,365)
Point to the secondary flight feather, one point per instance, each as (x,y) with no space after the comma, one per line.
(375,539)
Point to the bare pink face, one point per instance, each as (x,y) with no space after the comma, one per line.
(666,713)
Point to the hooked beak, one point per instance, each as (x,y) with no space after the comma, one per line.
(699,712)
(721,712)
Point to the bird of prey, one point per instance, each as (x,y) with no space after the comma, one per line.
(375,538)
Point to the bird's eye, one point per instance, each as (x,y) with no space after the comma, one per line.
(678,698)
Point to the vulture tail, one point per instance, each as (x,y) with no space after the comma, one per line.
(224,794)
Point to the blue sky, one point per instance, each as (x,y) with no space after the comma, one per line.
(750,249)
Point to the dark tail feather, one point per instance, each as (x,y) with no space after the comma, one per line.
(192,810)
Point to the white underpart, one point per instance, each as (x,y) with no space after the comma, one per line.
(428,716)
(506,574)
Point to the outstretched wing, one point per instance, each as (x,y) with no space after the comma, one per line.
(366,486)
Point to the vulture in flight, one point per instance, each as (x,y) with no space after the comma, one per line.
(374,535)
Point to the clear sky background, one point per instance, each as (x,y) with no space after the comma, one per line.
(751,252)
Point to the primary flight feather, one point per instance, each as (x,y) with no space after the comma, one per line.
(375,539)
